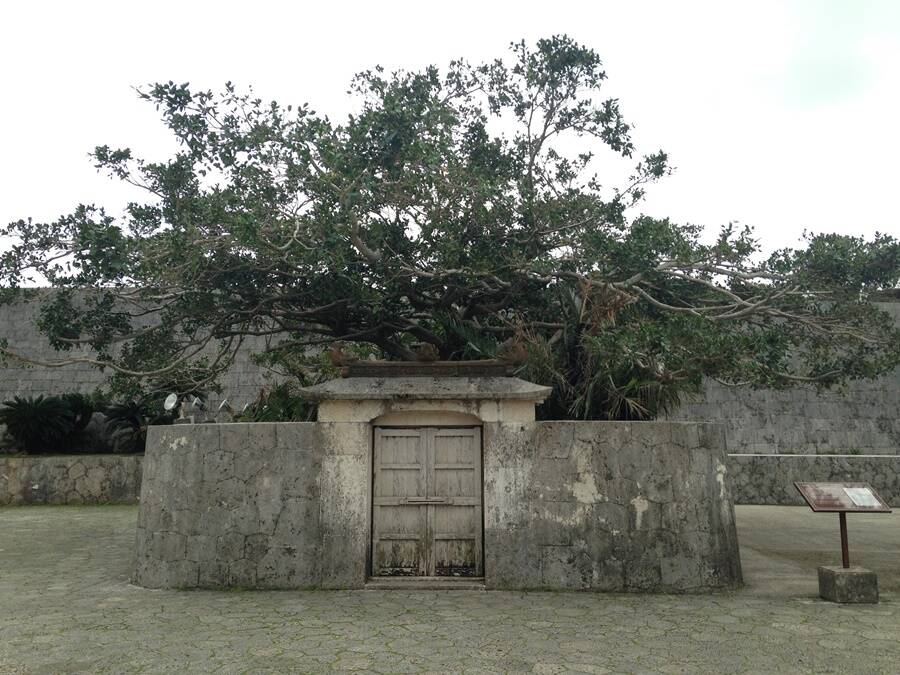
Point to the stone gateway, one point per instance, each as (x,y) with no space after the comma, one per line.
(446,478)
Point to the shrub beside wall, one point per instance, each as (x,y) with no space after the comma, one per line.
(78,423)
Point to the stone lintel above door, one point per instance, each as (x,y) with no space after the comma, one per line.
(489,399)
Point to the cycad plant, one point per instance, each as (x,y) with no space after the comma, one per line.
(38,424)
(129,419)
(81,407)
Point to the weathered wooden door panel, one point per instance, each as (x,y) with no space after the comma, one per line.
(427,517)
(456,466)
(399,546)
(456,549)
(455,526)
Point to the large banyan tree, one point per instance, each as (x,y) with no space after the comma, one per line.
(460,209)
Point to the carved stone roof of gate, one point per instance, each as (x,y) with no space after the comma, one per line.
(427,388)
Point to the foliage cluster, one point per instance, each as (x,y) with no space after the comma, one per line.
(59,424)
(47,423)
(128,420)
(462,208)
(279,403)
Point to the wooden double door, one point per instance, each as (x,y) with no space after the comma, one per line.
(427,502)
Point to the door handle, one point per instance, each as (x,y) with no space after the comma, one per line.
(425,500)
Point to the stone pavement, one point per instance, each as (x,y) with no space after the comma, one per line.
(66,606)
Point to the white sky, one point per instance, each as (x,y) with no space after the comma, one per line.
(781,115)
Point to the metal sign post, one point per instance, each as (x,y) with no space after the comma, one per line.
(845,547)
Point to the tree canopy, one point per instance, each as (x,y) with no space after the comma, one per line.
(461,208)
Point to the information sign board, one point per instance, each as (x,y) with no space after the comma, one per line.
(842,497)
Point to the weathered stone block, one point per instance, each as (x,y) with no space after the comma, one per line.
(210,574)
(297,518)
(555,482)
(555,442)
(636,507)
(644,574)
(167,574)
(679,572)
(344,494)
(168,546)
(256,546)
(230,546)
(344,438)
(565,567)
(512,558)
(850,585)
(343,560)
(295,439)
(200,548)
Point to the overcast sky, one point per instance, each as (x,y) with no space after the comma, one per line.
(782,115)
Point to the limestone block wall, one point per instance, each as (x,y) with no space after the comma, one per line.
(769,479)
(241,384)
(608,506)
(69,479)
(862,418)
(18,326)
(593,506)
(253,505)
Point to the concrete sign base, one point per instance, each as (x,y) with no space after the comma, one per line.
(848,584)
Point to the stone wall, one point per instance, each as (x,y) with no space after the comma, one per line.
(241,384)
(863,418)
(769,479)
(608,506)
(594,506)
(18,326)
(70,479)
(251,505)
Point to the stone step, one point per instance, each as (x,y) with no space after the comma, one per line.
(425,583)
